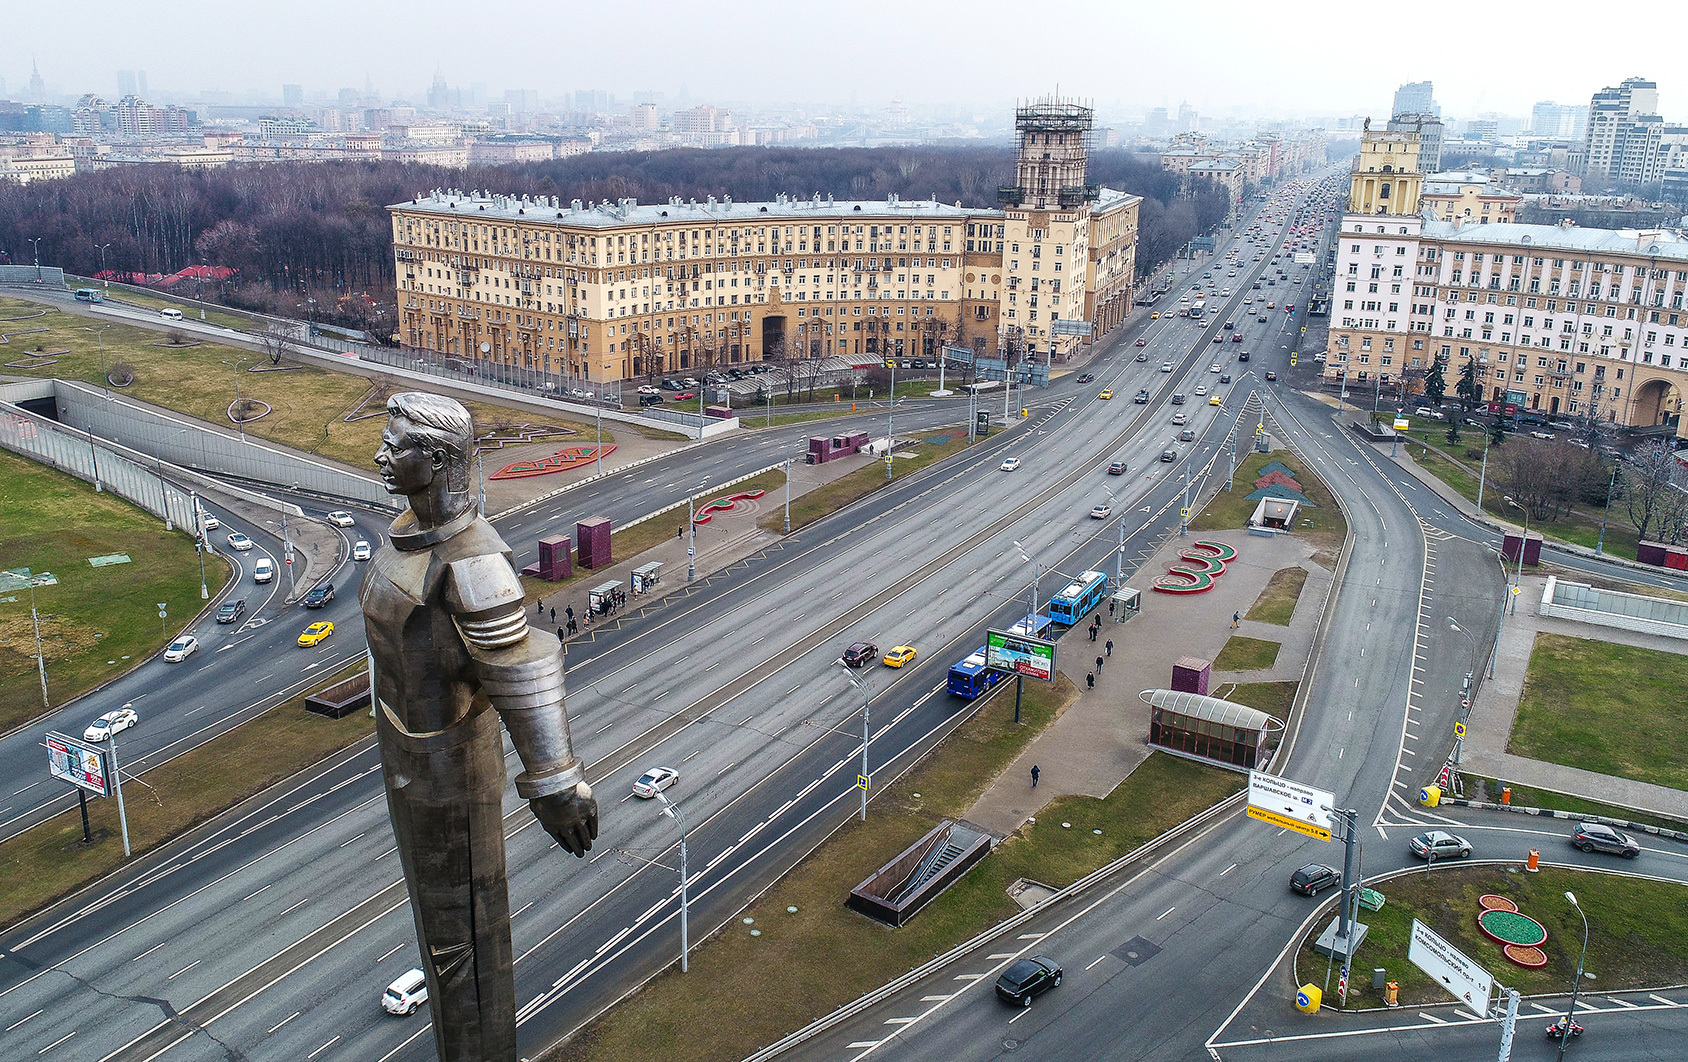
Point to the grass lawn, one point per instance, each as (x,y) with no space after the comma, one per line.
(309,405)
(97,621)
(1454,466)
(744,992)
(1613,709)
(831,497)
(1638,931)
(1276,603)
(1273,698)
(49,861)
(751,419)
(632,541)
(1322,526)
(1246,654)
(1525,797)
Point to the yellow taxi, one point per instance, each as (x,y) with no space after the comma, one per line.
(1107,392)
(1214,401)
(899,655)
(1155,316)
(316,632)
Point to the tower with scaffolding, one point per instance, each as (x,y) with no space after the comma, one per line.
(1054,142)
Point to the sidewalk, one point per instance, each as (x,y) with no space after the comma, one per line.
(1102,737)
(1496,707)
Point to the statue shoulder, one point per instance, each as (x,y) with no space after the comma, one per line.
(480,576)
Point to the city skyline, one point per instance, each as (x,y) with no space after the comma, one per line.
(1232,62)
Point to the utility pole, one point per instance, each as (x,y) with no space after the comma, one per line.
(691,536)
(890,411)
(199,542)
(1184,510)
(1483,476)
(287,557)
(104,275)
(117,781)
(1600,543)
(672,810)
(788,495)
(867,697)
(40,656)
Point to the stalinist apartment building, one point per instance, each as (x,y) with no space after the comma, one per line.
(1567,321)
(625,290)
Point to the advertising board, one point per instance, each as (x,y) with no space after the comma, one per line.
(1020,655)
(79,764)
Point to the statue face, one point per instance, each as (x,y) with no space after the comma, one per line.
(406,466)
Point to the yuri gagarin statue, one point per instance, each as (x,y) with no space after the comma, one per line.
(454,657)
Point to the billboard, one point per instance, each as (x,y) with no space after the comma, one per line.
(1021,655)
(79,764)
(1450,968)
(1289,804)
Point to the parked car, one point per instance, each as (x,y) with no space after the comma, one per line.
(263,570)
(231,611)
(859,653)
(406,995)
(683,395)
(1314,878)
(111,723)
(181,649)
(341,518)
(900,655)
(1596,837)
(320,596)
(1027,978)
(655,781)
(1440,844)
(316,632)
(239,542)
(360,551)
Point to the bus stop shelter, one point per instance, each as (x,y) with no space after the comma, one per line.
(1223,732)
(1126,602)
(645,576)
(600,597)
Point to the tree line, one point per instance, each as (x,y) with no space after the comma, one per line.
(321,230)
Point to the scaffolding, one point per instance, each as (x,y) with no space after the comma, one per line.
(1054,144)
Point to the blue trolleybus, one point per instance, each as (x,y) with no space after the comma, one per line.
(1078,599)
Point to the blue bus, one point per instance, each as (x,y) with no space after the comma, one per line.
(89,295)
(1078,599)
(1036,626)
(969,676)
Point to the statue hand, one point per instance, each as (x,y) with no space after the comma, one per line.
(571,817)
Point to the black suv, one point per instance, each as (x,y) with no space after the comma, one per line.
(1028,978)
(1594,837)
(1087,377)
(321,596)
(231,611)
(1313,878)
(860,653)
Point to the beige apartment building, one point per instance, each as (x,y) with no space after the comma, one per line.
(1562,320)
(613,291)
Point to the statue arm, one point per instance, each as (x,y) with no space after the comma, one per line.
(521,674)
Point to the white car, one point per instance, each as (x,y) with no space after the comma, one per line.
(263,571)
(181,649)
(1010,464)
(1166,366)
(1213,368)
(1200,391)
(341,518)
(407,994)
(1101,512)
(238,541)
(360,552)
(111,723)
(209,522)
(655,781)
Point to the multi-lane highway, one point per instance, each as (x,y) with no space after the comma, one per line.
(269,933)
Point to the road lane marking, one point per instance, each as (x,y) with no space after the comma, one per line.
(1023,1012)
(184,969)
(1099,958)
(388,952)
(282,1022)
(1166,912)
(321,1049)
(38,1013)
(56,1043)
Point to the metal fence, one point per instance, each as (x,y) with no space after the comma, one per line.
(45,276)
(190,445)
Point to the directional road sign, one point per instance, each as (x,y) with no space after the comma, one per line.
(1289,804)
(1450,968)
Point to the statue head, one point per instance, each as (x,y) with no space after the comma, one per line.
(425,452)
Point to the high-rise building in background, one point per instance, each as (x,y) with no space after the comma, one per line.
(1429,130)
(126,83)
(293,95)
(1566,121)
(37,87)
(1417,97)
(1624,134)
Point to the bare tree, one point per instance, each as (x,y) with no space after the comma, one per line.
(1649,484)
(273,342)
(1547,478)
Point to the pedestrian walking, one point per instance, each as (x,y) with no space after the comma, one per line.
(553,614)
(680,532)
(539,608)
(1090,679)
(573,627)
(1093,631)
(1035,772)
(569,611)
(1098,664)
(1236,620)
(559,634)
(1110,647)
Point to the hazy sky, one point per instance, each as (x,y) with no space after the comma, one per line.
(1316,57)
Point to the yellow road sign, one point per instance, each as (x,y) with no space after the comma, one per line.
(1275,819)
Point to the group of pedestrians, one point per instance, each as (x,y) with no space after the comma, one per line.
(567,627)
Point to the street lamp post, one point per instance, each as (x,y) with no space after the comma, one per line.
(36,240)
(105,277)
(199,542)
(1570,1012)
(691,534)
(105,372)
(240,421)
(1611,484)
(672,810)
(1521,544)
(867,698)
(890,411)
